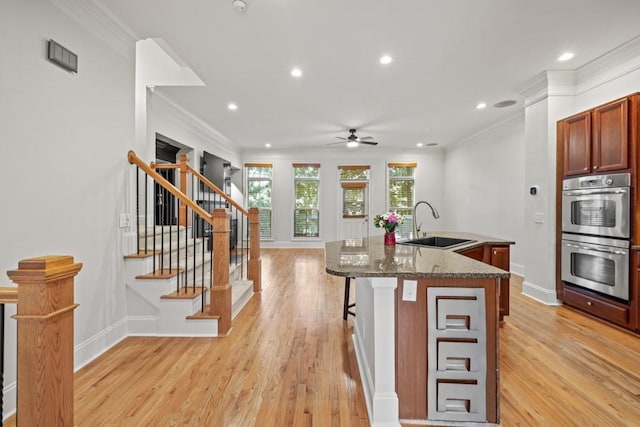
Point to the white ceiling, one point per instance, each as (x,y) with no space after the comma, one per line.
(448,55)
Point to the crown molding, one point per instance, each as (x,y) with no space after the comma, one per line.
(101,22)
(509,125)
(614,64)
(164,104)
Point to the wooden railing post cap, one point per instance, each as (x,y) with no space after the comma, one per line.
(45,268)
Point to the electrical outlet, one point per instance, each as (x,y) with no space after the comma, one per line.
(125,220)
(409,290)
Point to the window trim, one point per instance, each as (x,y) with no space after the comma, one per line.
(414,166)
(247,179)
(318,209)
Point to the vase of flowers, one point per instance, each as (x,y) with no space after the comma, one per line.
(389,221)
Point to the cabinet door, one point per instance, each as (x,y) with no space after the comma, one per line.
(577,144)
(610,140)
(500,259)
(475,253)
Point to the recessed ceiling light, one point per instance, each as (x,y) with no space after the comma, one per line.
(352,144)
(432,144)
(419,144)
(565,56)
(267,145)
(296,72)
(481,105)
(232,106)
(385,59)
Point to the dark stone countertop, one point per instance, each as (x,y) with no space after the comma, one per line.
(370,257)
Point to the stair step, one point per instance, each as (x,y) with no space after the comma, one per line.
(161,274)
(188,293)
(203,315)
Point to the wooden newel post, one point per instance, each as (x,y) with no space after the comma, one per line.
(45,340)
(182,214)
(254,268)
(221,289)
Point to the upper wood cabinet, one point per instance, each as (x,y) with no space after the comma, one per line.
(597,140)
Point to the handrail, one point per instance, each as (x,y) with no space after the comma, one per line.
(135,160)
(8,295)
(221,193)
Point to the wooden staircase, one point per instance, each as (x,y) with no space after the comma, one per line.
(189,278)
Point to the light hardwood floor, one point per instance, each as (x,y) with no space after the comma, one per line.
(289,361)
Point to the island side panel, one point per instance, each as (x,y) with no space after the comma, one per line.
(411,348)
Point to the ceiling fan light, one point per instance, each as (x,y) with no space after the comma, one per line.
(352,144)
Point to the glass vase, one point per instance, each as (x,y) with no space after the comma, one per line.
(390,238)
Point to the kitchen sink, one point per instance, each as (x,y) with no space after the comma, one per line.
(437,242)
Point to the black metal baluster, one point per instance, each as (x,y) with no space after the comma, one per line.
(178,251)
(146,213)
(137,213)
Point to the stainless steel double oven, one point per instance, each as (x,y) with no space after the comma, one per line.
(595,233)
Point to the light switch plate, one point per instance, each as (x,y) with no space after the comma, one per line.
(125,220)
(538,217)
(409,290)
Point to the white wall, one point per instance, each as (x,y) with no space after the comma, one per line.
(484,185)
(429,186)
(64,142)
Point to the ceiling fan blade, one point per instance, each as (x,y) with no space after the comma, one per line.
(334,143)
(364,138)
(339,137)
(368,142)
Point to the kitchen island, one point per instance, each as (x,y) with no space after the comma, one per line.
(426,330)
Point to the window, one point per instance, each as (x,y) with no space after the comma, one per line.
(353,180)
(259,186)
(306,213)
(401,192)
(353,199)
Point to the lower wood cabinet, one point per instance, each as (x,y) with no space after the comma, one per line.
(620,313)
(598,306)
(497,256)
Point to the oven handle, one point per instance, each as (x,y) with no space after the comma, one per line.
(596,248)
(590,192)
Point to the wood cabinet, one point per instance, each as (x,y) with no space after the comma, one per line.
(602,140)
(597,140)
(497,256)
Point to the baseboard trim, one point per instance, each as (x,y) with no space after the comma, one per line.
(365,373)
(538,293)
(92,348)
(9,394)
(517,269)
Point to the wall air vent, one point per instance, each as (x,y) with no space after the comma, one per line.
(62,56)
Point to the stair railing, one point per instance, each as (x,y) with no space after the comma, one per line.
(8,295)
(202,214)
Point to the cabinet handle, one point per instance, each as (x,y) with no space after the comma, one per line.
(589,303)
(595,166)
(495,252)
(586,169)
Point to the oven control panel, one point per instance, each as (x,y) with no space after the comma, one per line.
(597,181)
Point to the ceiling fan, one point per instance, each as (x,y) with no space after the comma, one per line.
(352,140)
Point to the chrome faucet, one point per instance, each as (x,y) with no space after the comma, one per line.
(416,228)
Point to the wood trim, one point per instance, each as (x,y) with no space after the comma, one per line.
(164,165)
(8,295)
(559,174)
(258,165)
(135,160)
(402,165)
(306,165)
(354,167)
(353,216)
(353,184)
